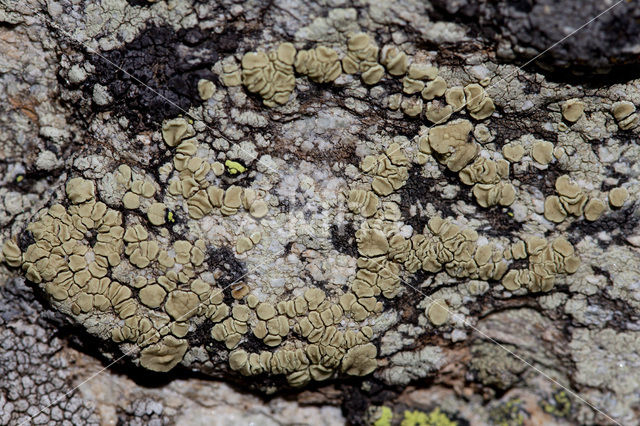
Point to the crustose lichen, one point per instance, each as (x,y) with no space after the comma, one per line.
(148,287)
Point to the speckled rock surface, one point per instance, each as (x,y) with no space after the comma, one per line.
(329,212)
(524,29)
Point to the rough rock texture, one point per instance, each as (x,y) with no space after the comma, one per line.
(369,216)
(42,369)
(36,376)
(524,29)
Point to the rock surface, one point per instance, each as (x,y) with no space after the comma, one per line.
(369,218)
(526,29)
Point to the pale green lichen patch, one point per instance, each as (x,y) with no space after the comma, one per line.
(11,253)
(455,96)
(80,190)
(173,131)
(572,110)
(164,355)
(231,75)
(270,74)
(542,152)
(362,57)
(395,61)
(625,115)
(449,143)
(320,64)
(513,152)
(571,200)
(478,103)
(180,248)
(618,196)
(438,312)
(156,214)
(434,89)
(206,89)
(546,260)
(389,170)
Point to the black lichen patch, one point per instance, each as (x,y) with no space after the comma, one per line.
(500,222)
(617,224)
(252,344)
(623,315)
(618,74)
(358,399)
(231,269)
(513,125)
(244,180)
(531,27)
(27,183)
(170,63)
(343,238)
(531,84)
(25,240)
(201,335)
(139,2)
(406,302)
(422,190)
(519,264)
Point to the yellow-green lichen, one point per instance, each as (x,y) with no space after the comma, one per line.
(234,168)
(383,416)
(560,406)
(422,418)
(510,413)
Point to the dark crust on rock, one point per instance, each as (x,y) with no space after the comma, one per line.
(232,269)
(169,62)
(423,190)
(617,224)
(343,238)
